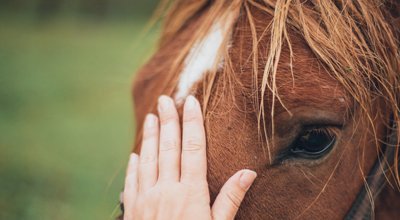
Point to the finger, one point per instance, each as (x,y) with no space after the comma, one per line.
(194,164)
(231,195)
(148,162)
(170,140)
(131,186)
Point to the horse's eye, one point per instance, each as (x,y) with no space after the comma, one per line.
(313,143)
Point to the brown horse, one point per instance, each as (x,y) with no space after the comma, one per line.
(305,92)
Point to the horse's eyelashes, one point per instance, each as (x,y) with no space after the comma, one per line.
(313,143)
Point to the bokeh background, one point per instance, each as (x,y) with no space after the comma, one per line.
(66,119)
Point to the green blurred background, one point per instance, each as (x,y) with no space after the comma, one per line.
(66,119)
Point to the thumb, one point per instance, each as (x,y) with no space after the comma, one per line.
(231,195)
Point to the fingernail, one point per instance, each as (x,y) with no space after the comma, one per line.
(247,178)
(164,103)
(190,103)
(150,121)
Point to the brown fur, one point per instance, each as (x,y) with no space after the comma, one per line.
(311,61)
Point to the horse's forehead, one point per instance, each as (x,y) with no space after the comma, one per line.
(205,57)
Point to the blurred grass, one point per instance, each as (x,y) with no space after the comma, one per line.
(66,120)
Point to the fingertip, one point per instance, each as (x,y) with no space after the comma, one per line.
(246,178)
(232,194)
(131,173)
(192,110)
(163,98)
(165,103)
(133,159)
(190,103)
(150,121)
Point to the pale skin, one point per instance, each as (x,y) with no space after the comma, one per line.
(168,179)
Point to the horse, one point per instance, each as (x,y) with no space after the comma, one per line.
(304,92)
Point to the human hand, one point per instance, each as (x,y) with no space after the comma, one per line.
(168,180)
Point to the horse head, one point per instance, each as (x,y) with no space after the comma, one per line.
(306,93)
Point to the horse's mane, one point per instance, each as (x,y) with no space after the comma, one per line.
(356,40)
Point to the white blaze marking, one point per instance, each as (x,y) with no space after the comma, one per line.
(202,57)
